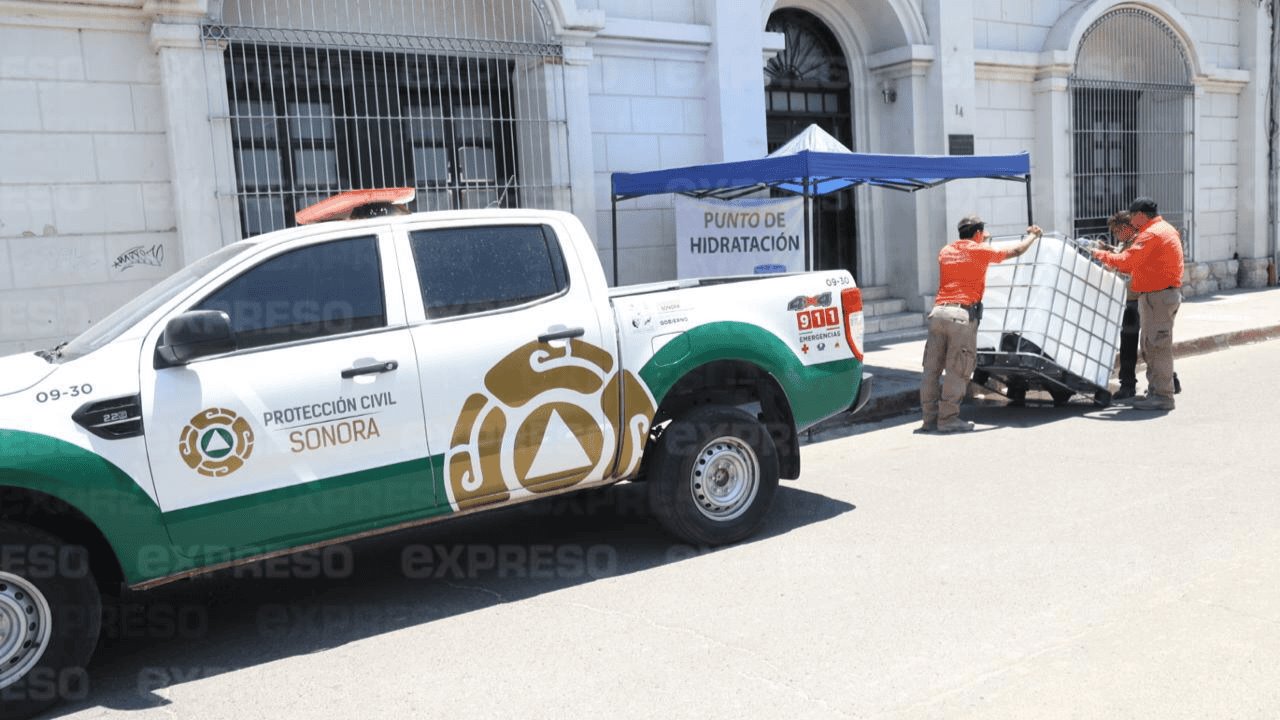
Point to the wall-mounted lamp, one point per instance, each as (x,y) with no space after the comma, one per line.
(889,90)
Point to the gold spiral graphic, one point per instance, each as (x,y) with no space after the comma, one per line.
(484,430)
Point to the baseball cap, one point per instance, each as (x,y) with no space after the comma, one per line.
(972,220)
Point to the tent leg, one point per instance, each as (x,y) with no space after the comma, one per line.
(1028,184)
(613,198)
(808,234)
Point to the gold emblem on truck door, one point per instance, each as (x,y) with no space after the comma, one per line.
(535,425)
(216,442)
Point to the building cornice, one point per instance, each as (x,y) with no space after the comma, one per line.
(126,15)
(175,35)
(647,38)
(1005,65)
(907,56)
(1223,80)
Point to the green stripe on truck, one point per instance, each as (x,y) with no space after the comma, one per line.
(310,512)
(104,493)
(816,392)
(220,531)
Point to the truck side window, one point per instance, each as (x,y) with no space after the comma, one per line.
(467,270)
(315,291)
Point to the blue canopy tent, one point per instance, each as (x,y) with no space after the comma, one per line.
(813,172)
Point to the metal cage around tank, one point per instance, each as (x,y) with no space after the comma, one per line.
(1051,322)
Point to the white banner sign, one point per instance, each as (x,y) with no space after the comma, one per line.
(739,237)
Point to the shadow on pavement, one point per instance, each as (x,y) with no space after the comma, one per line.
(998,413)
(318,600)
(991,412)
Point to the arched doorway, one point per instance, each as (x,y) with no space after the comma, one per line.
(1132,122)
(808,83)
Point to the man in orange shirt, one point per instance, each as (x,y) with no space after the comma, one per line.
(1154,264)
(1123,232)
(953,323)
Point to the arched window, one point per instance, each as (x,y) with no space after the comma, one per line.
(1132,121)
(808,83)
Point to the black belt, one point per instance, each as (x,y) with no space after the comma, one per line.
(974,310)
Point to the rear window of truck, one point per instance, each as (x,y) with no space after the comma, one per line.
(475,269)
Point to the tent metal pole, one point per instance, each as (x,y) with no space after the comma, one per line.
(614,203)
(808,235)
(1028,183)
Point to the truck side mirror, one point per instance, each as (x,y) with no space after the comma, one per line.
(193,335)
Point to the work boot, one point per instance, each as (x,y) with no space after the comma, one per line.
(955,425)
(1126,391)
(1154,402)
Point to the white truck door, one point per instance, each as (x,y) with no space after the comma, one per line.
(519,383)
(313,427)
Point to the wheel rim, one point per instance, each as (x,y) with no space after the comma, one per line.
(725,478)
(25,624)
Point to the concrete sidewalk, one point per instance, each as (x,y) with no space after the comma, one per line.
(1204,324)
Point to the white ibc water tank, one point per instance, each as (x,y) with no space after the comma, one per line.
(1060,299)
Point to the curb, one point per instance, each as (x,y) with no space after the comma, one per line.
(902,402)
(1222,341)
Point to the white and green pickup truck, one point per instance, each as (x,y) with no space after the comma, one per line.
(334,380)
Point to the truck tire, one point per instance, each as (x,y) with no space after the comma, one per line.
(713,476)
(50,617)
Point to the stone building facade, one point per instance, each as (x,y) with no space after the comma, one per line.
(138,135)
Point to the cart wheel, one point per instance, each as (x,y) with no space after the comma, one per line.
(1102,398)
(1060,396)
(1017,395)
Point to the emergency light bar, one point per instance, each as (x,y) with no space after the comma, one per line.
(341,206)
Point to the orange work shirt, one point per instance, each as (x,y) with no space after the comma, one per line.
(1154,260)
(962,271)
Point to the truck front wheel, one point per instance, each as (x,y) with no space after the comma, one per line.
(713,475)
(50,616)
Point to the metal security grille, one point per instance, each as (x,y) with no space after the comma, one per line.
(461,99)
(1132,122)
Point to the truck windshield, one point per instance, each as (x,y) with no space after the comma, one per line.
(110,327)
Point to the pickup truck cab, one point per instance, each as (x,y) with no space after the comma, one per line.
(333,380)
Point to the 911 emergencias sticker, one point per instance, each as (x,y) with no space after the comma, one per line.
(819,328)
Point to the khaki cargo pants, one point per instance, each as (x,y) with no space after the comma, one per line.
(1156,311)
(952,346)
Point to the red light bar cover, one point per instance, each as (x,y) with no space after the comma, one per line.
(339,206)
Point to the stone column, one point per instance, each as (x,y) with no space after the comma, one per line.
(1050,181)
(952,83)
(1252,184)
(907,223)
(193,83)
(735,102)
(577,63)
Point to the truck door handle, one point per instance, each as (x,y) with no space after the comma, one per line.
(562,334)
(374,369)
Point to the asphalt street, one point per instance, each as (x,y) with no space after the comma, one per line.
(1068,562)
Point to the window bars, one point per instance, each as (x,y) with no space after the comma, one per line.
(1132,123)
(461,99)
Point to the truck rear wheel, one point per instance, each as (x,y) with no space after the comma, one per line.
(50,616)
(713,476)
